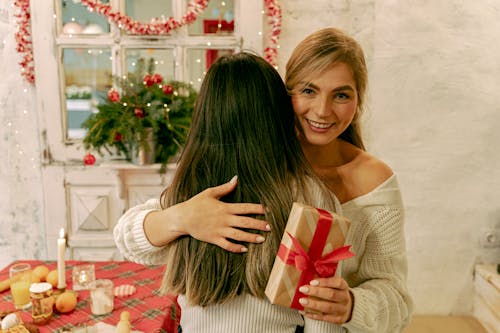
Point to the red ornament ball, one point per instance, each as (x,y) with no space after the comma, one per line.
(157,78)
(167,89)
(118,137)
(89,159)
(148,80)
(113,95)
(139,113)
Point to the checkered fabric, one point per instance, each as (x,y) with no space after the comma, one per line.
(149,311)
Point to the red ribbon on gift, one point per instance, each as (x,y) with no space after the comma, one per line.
(312,263)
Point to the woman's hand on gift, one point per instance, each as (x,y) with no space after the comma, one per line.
(208,219)
(329,299)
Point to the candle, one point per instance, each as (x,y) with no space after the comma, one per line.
(61,264)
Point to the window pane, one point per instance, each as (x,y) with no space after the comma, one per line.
(87,78)
(217,18)
(145,10)
(200,60)
(76,19)
(162,61)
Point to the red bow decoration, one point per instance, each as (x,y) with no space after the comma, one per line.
(323,267)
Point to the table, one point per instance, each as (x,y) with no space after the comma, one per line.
(149,311)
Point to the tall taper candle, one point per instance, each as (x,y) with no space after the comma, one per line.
(61,264)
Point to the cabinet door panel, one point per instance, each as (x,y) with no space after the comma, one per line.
(140,194)
(91,209)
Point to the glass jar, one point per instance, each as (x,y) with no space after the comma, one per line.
(101,297)
(42,302)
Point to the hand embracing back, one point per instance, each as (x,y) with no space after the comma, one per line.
(208,219)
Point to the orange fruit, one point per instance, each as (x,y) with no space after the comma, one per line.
(52,278)
(66,301)
(34,278)
(41,271)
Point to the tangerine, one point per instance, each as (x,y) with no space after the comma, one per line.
(66,301)
(41,271)
(52,278)
(34,278)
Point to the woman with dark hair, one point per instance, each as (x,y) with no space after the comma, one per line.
(243,124)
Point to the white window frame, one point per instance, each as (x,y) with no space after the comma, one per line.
(48,45)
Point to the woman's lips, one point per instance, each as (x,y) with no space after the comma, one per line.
(319,127)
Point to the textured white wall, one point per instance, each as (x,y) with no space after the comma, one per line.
(433,116)
(21,198)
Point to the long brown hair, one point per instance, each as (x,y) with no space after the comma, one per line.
(315,54)
(243,124)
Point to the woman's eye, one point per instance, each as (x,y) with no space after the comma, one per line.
(307,91)
(342,97)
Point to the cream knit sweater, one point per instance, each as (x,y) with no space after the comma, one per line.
(376,274)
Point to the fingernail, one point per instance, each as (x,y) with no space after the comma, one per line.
(303,301)
(244,249)
(234,179)
(260,239)
(304,289)
(314,283)
(268,227)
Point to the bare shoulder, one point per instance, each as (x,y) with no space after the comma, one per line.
(364,174)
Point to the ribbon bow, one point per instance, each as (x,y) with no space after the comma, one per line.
(324,266)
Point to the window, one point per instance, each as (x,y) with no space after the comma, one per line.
(76,64)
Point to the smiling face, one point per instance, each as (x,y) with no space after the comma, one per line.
(326,105)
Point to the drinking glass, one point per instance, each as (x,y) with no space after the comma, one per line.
(101,297)
(20,280)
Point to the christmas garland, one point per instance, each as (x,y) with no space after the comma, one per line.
(23,39)
(156,27)
(273,12)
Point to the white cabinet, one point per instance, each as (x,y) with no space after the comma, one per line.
(95,199)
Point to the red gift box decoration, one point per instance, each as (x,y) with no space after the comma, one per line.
(311,246)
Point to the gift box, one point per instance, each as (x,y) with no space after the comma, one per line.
(312,246)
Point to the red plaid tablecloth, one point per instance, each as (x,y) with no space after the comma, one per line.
(149,311)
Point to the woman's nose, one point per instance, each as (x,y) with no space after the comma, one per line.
(323,106)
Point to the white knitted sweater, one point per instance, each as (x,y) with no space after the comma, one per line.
(376,274)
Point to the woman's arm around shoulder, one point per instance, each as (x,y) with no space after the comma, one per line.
(130,237)
(143,231)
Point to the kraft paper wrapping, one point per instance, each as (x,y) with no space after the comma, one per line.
(302,223)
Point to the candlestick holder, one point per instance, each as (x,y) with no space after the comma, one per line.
(83,276)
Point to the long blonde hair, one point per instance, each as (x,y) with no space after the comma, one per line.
(315,54)
(243,124)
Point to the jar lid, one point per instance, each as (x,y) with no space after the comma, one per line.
(40,287)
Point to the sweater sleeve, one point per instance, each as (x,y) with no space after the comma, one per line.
(381,299)
(131,239)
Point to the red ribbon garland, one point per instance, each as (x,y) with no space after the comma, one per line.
(312,263)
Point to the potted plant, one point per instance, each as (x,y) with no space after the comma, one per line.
(142,111)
